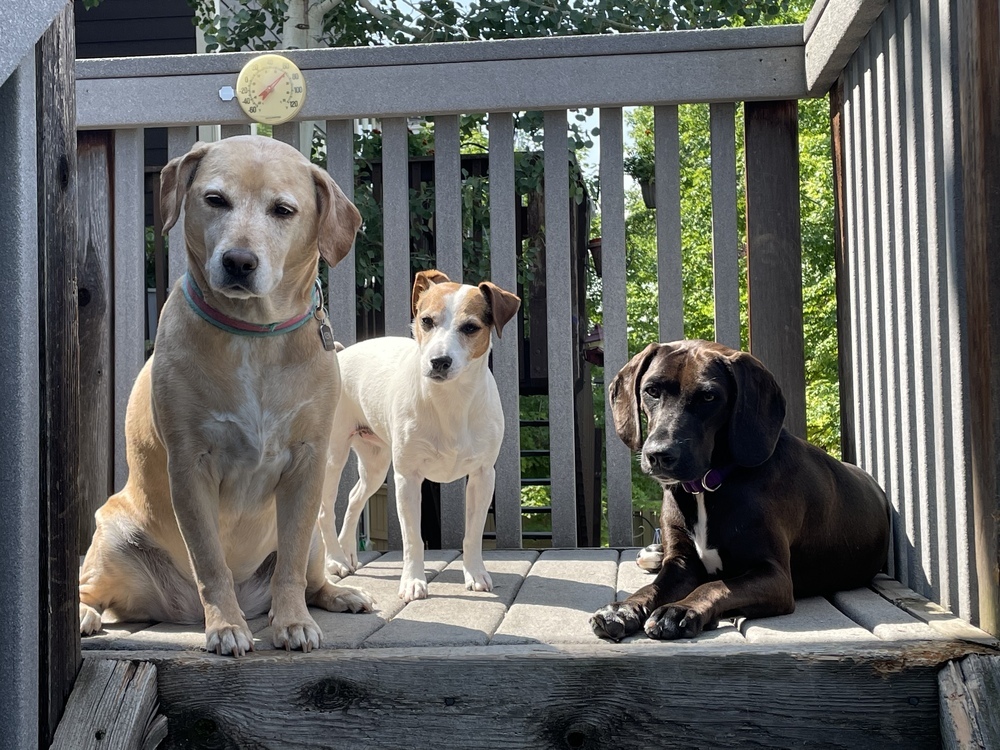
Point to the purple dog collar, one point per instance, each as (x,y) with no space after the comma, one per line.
(712,481)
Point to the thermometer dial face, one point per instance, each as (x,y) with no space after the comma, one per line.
(271,89)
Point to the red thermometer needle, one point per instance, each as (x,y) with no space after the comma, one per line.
(270,87)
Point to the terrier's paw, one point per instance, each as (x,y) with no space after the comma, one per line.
(295,633)
(478,579)
(616,621)
(339,567)
(411,589)
(343,599)
(672,621)
(229,640)
(90,620)
(650,558)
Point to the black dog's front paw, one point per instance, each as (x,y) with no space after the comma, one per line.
(672,621)
(617,620)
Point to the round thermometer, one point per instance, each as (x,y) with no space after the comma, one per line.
(271,89)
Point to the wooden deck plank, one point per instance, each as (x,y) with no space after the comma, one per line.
(452,616)
(933,614)
(815,620)
(380,578)
(884,619)
(562,590)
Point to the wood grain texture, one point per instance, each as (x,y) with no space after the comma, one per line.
(774,250)
(979,70)
(113,705)
(531,697)
(60,371)
(969,695)
(95,302)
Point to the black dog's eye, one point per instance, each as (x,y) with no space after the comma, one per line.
(427,322)
(653,391)
(216,201)
(281,209)
(469,328)
(706,396)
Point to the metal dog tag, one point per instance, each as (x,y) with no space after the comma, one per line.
(326,333)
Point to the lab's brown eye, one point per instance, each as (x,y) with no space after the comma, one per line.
(216,201)
(281,209)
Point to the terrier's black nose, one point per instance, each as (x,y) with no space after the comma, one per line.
(441,364)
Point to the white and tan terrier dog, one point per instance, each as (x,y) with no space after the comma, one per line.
(430,406)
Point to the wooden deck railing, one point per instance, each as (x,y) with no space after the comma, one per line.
(723,67)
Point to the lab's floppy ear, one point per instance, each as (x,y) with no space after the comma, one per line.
(175,179)
(502,304)
(424,281)
(758,412)
(624,395)
(338,218)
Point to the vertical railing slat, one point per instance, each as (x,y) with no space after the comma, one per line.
(966,600)
(619,458)
(19,409)
(179,142)
(561,339)
(130,286)
(878,236)
(288,132)
(396,247)
(898,264)
(341,283)
(666,152)
(448,238)
(923,574)
(503,270)
(725,236)
(229,131)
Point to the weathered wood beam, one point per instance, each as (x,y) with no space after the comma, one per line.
(933,614)
(95,293)
(59,650)
(113,705)
(979,70)
(774,250)
(545,696)
(969,696)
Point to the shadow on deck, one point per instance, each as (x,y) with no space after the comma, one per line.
(519,667)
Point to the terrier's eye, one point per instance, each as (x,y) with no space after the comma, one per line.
(469,329)
(216,201)
(427,322)
(280,209)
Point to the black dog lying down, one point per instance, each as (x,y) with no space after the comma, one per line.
(752,516)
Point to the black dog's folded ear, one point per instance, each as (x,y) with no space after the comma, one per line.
(759,411)
(624,395)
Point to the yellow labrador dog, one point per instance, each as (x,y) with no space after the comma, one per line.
(228,423)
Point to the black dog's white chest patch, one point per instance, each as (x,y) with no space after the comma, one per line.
(699,532)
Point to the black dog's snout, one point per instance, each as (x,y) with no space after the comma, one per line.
(663,458)
(239,263)
(441,364)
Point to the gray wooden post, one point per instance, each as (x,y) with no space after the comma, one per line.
(19,408)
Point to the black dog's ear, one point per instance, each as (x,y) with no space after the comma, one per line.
(624,396)
(759,411)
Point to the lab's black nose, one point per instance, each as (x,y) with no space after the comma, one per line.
(441,364)
(663,458)
(239,263)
